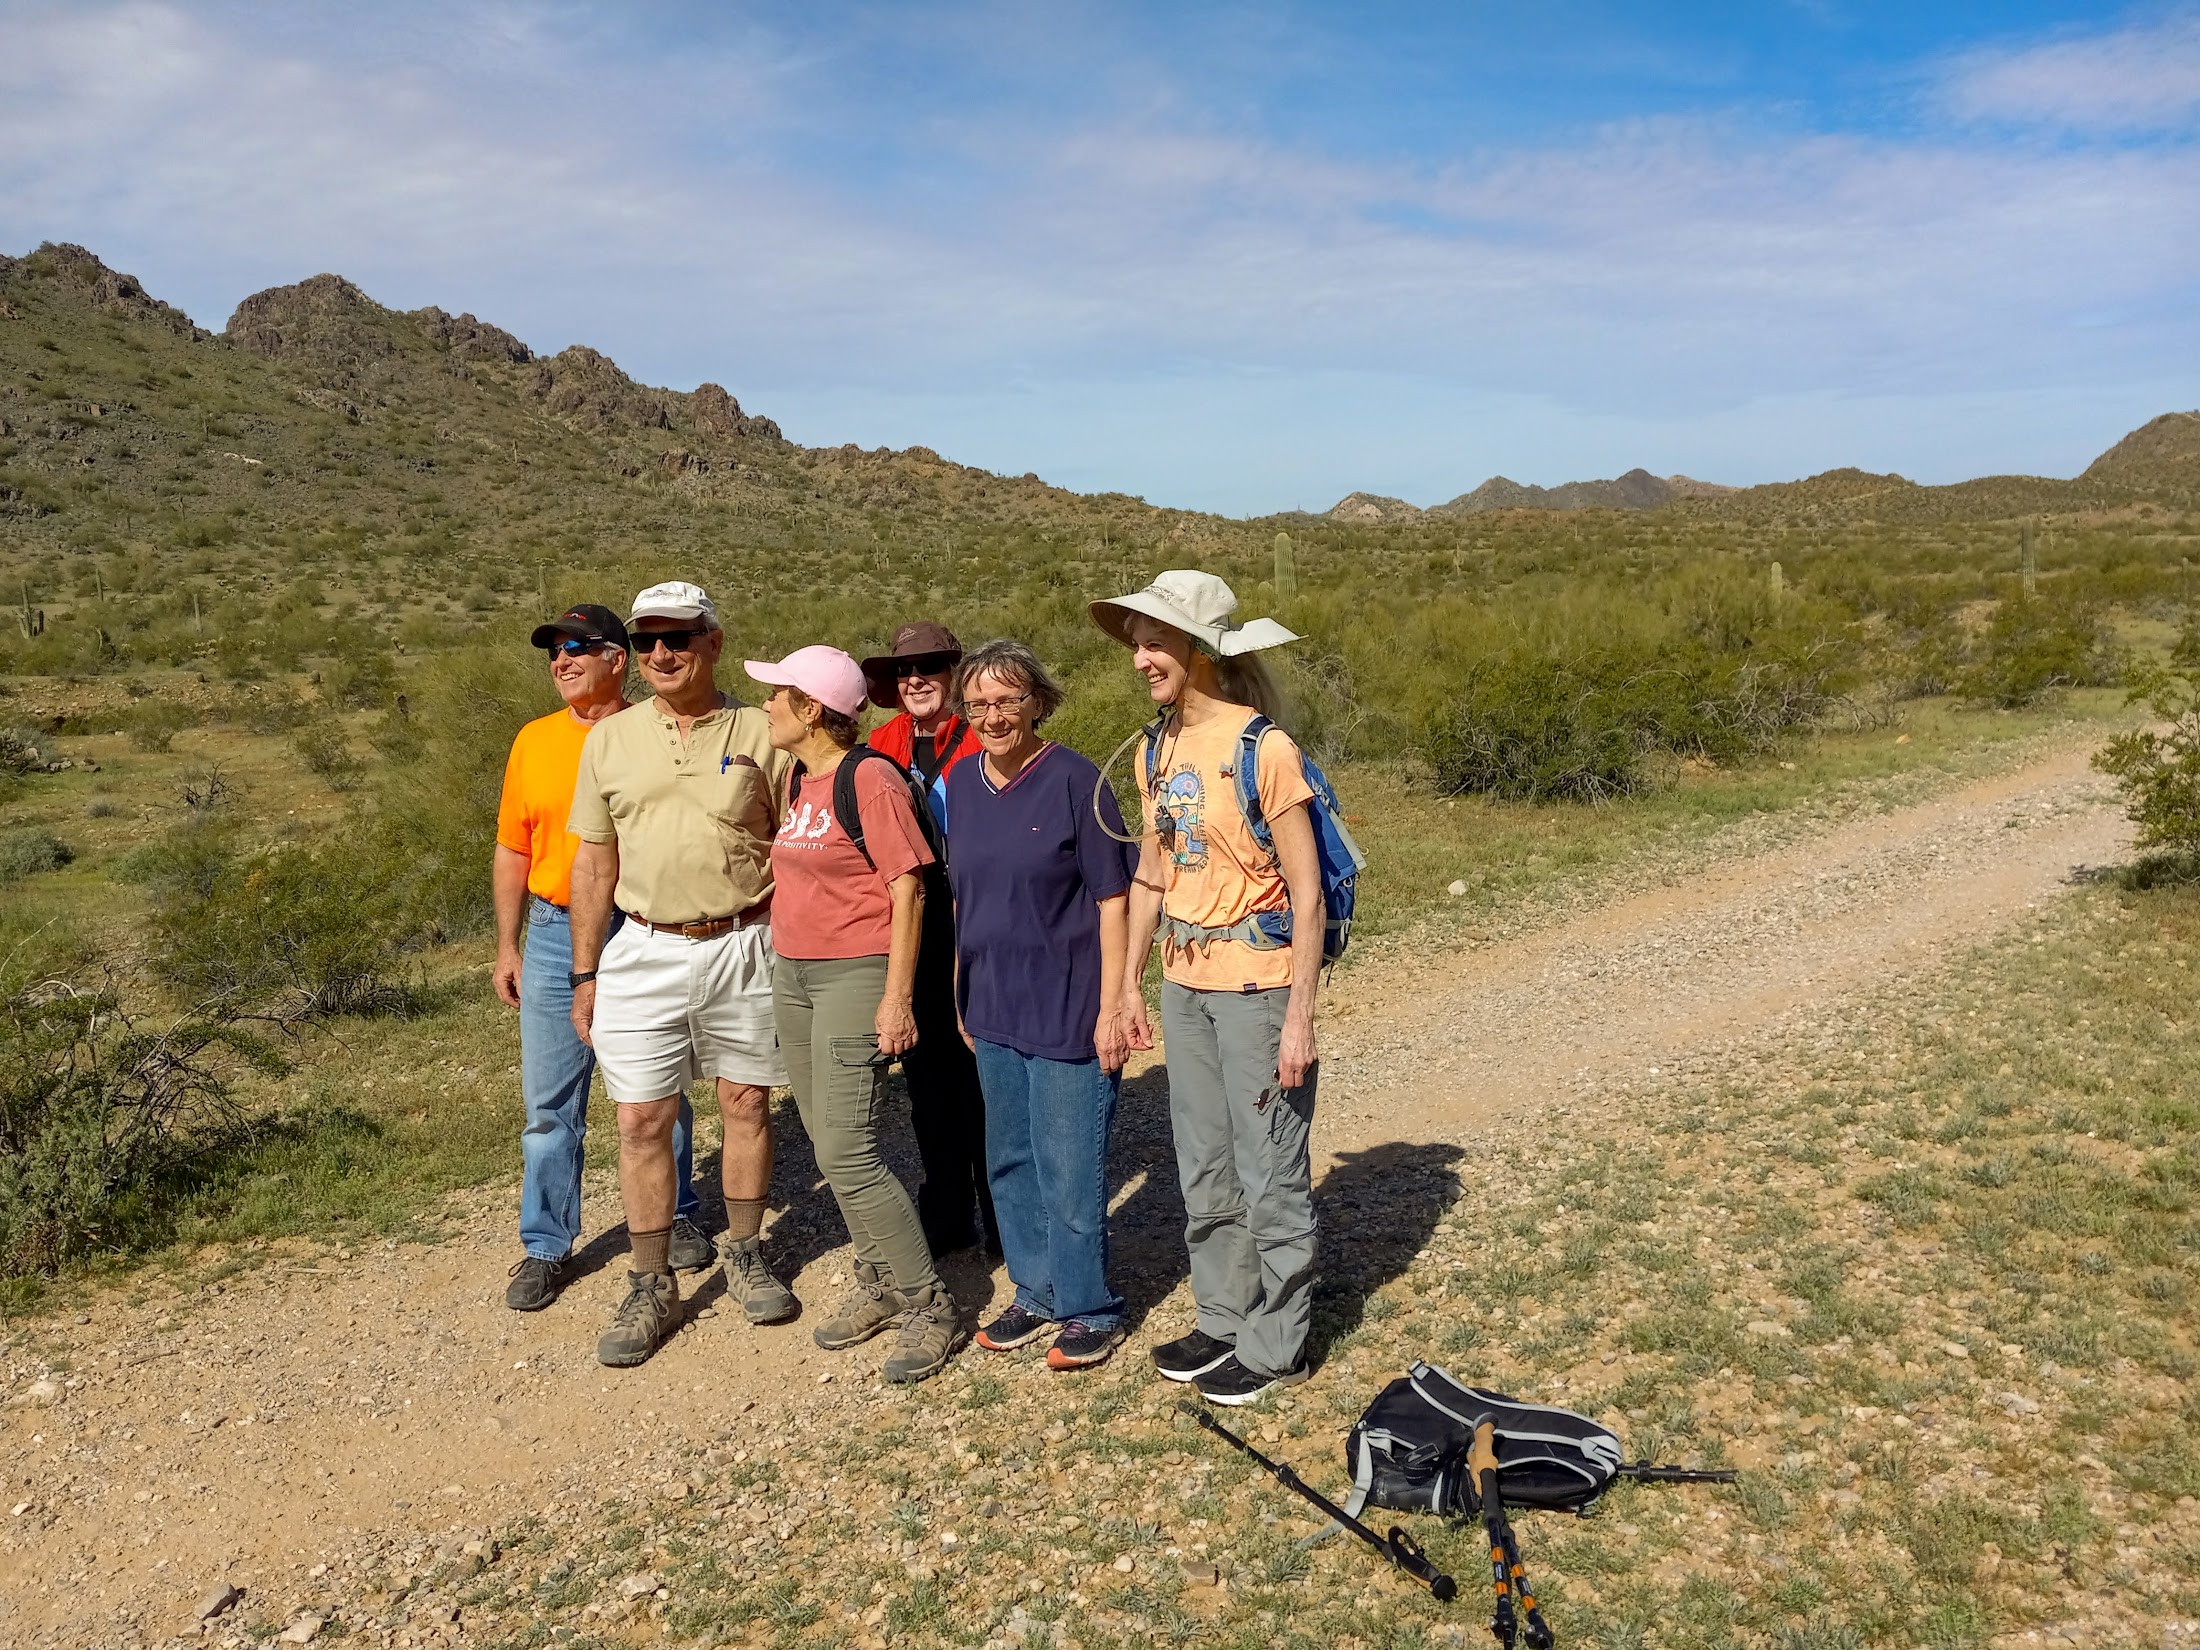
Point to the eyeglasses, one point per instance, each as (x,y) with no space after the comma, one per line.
(923,664)
(680,641)
(573,647)
(976,709)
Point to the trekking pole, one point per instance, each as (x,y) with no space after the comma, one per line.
(1482,1467)
(1505,1568)
(1539,1633)
(1400,1548)
(1642,1472)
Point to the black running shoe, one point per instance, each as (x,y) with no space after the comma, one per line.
(1080,1345)
(1013,1328)
(1230,1382)
(535,1283)
(1191,1357)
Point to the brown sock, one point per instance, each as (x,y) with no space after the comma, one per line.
(744,1217)
(652,1250)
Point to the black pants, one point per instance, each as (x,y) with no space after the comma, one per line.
(946,1106)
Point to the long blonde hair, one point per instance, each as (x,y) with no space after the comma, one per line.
(1245,679)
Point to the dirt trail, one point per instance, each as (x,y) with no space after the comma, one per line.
(325,1403)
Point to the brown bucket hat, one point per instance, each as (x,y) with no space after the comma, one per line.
(919,639)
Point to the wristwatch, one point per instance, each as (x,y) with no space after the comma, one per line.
(574,982)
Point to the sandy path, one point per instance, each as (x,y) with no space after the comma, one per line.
(324,1404)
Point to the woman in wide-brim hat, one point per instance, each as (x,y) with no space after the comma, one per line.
(1241,934)
(929,736)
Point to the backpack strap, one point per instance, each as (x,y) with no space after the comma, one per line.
(845,807)
(1248,783)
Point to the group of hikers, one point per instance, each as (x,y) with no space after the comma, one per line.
(692,888)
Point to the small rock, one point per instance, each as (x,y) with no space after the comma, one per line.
(2016,1403)
(1764,1327)
(1456,889)
(1955,1349)
(42,1393)
(223,1597)
(642,1584)
(1126,1564)
(302,1631)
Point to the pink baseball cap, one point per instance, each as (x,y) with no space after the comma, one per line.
(825,673)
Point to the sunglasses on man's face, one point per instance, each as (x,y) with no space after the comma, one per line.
(645,641)
(574,647)
(923,664)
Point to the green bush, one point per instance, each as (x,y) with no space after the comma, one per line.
(93,1103)
(2158,771)
(2034,646)
(153,725)
(26,851)
(320,927)
(321,746)
(1538,724)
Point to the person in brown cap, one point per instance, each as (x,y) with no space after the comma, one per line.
(928,736)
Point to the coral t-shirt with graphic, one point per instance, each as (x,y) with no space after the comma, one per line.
(828,901)
(1217,874)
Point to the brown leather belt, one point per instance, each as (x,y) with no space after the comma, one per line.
(709,928)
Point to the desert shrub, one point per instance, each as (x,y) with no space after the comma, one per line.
(154,724)
(93,1102)
(2158,770)
(1541,724)
(268,710)
(320,926)
(321,746)
(26,851)
(2034,646)
(19,752)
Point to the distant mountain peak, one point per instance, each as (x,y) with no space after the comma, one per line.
(108,290)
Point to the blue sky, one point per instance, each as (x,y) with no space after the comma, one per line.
(1238,258)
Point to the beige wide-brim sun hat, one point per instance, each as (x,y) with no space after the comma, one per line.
(1200,605)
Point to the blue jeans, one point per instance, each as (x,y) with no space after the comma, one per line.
(555,1070)
(1046,1150)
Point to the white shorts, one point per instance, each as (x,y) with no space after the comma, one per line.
(673,1011)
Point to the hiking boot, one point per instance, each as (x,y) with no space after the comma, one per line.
(1080,1345)
(750,1279)
(930,1332)
(691,1249)
(1013,1328)
(645,1320)
(535,1283)
(1191,1357)
(870,1307)
(1231,1382)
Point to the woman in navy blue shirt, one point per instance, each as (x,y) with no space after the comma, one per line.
(1040,915)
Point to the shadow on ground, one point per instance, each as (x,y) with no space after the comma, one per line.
(1377,1209)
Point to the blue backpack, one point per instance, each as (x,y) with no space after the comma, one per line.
(1335,853)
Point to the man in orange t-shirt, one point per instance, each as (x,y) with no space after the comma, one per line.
(533,878)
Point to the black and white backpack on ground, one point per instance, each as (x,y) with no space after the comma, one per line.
(1409,1450)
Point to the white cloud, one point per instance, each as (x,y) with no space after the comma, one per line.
(1030,279)
(2144,78)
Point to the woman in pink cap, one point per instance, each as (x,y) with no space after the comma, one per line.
(847,916)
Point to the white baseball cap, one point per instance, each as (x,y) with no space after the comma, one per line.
(675,599)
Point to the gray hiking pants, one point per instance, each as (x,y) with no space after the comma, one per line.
(1242,1158)
(826,1013)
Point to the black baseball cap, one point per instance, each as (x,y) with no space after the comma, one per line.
(588,621)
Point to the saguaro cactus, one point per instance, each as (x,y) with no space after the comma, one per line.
(2029,556)
(1287,571)
(1777,578)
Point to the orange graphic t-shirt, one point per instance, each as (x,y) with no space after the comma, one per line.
(1217,874)
(538,793)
